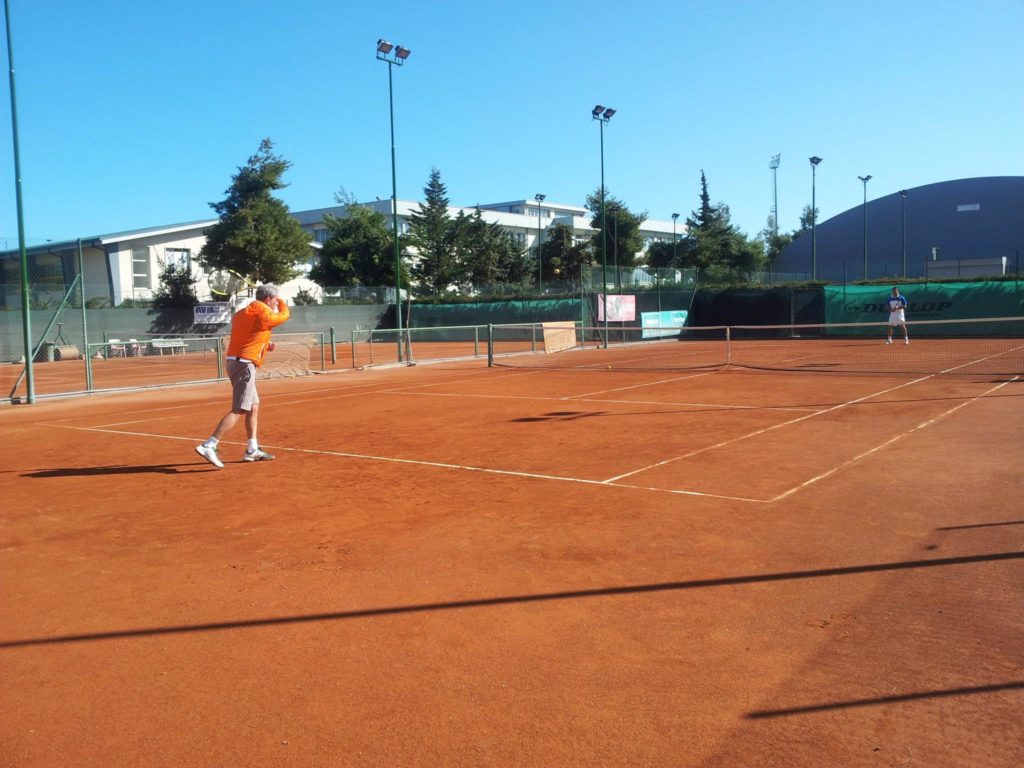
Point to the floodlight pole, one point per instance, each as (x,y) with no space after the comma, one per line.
(397,58)
(540,262)
(903,228)
(814,220)
(865,179)
(603,115)
(26,324)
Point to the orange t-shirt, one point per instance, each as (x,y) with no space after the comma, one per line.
(250,330)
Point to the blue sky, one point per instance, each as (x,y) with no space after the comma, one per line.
(136,114)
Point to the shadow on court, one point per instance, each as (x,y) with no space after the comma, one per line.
(1015,685)
(160,469)
(487,602)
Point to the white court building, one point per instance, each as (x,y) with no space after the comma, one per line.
(125,266)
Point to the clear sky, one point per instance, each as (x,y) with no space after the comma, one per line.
(136,114)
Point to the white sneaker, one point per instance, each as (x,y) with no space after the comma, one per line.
(258,455)
(210,454)
(888,341)
(906,341)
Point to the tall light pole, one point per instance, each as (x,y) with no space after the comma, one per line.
(903,228)
(603,115)
(773,166)
(865,179)
(540,263)
(25,314)
(675,218)
(398,57)
(814,220)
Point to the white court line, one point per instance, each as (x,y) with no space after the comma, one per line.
(666,403)
(638,386)
(887,443)
(764,430)
(423,463)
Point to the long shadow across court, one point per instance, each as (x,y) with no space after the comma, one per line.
(635,589)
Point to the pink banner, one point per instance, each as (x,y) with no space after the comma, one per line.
(621,308)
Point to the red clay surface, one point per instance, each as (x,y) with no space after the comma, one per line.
(454,565)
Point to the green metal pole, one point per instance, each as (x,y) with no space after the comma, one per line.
(604,243)
(85,327)
(26,323)
(394,216)
(814,223)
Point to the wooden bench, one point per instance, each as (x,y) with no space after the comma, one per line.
(166,346)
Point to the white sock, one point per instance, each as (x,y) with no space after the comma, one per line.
(211,442)
(252,446)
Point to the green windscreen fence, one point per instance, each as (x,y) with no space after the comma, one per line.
(930,301)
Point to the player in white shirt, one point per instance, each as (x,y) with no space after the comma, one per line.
(897,315)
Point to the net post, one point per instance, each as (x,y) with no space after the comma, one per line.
(220,357)
(353,347)
(476,341)
(490,345)
(728,345)
(334,351)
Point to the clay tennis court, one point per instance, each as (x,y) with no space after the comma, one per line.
(460,565)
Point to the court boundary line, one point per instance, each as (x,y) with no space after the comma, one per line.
(425,463)
(891,441)
(762,431)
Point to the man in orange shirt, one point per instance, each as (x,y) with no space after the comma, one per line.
(250,341)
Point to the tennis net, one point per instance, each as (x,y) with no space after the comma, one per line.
(990,346)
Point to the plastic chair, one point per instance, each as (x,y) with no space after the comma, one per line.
(115,348)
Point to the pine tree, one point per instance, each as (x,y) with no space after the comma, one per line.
(256,235)
(438,265)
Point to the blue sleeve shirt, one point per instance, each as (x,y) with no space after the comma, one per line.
(897,303)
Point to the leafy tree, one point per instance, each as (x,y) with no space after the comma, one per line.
(563,258)
(304,298)
(359,248)
(438,265)
(256,235)
(774,242)
(177,287)
(622,240)
(808,217)
(490,254)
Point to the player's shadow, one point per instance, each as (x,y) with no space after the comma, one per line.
(160,469)
(561,416)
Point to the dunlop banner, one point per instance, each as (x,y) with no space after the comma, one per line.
(931,301)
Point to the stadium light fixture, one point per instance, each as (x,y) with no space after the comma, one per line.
(399,57)
(815,160)
(865,179)
(596,111)
(608,113)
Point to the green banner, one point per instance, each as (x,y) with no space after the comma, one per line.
(930,301)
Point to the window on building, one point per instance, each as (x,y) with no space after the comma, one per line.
(320,235)
(140,268)
(178,257)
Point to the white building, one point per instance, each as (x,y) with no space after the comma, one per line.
(125,266)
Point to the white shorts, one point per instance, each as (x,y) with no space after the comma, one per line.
(897,318)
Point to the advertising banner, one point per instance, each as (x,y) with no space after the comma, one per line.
(660,324)
(621,308)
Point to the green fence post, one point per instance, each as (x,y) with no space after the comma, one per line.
(490,345)
(220,357)
(334,352)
